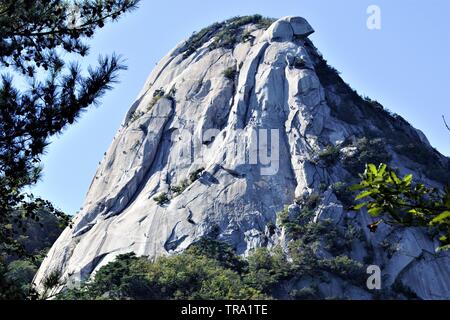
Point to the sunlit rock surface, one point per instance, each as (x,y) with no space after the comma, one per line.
(190,117)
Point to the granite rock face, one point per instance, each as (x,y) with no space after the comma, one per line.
(224,138)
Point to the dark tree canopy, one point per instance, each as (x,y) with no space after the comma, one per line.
(34,36)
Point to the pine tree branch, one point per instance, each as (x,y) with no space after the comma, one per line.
(80,28)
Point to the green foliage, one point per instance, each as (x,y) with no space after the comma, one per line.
(306,261)
(351,107)
(266,269)
(157,95)
(343,194)
(389,248)
(21,272)
(231,32)
(230,73)
(330,155)
(113,278)
(404,139)
(395,131)
(34,236)
(295,225)
(179,189)
(373,102)
(271,227)
(16,275)
(226,33)
(36,38)
(413,151)
(194,176)
(176,190)
(195,277)
(162,198)
(219,251)
(31,224)
(15,279)
(187,276)
(197,40)
(423,155)
(308,237)
(8,289)
(211,270)
(31,31)
(345,267)
(310,201)
(367,151)
(53,280)
(401,202)
(327,74)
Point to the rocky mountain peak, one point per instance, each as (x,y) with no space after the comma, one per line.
(288,28)
(240,133)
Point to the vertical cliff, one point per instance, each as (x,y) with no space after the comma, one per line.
(233,125)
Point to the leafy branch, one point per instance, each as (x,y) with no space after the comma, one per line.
(399,201)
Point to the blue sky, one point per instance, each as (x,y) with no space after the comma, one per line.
(405,66)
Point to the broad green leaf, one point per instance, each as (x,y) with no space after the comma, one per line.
(360,206)
(441,218)
(382,169)
(372,168)
(374,212)
(443,248)
(363,194)
(392,195)
(408,179)
(394,177)
(357,187)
